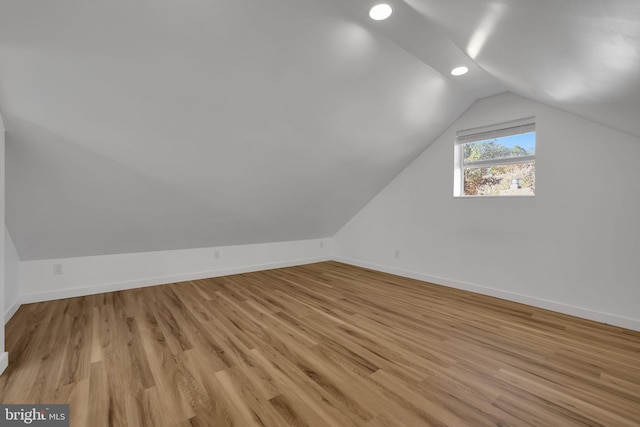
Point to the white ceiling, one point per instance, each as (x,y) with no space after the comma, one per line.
(582,56)
(141,126)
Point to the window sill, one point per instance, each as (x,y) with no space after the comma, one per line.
(513,196)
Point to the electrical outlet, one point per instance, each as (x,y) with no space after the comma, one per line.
(216,254)
(57,269)
(397,253)
(321,244)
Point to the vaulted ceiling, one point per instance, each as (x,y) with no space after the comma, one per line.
(141,126)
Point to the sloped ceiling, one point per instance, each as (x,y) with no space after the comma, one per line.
(142,126)
(582,56)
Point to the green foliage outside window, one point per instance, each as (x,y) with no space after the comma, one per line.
(489,150)
(500,179)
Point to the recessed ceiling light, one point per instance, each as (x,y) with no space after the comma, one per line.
(380,12)
(458,71)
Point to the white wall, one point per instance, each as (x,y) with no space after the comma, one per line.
(96,274)
(573,248)
(11,277)
(4,357)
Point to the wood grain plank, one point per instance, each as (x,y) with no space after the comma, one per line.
(324,344)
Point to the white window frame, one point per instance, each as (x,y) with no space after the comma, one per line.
(514,127)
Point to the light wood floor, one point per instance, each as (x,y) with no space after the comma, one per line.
(321,345)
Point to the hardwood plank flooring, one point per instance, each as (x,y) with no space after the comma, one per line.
(319,345)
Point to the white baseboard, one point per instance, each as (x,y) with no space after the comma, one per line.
(611,319)
(9,312)
(160,280)
(71,292)
(4,362)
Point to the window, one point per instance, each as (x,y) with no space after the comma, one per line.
(497,160)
